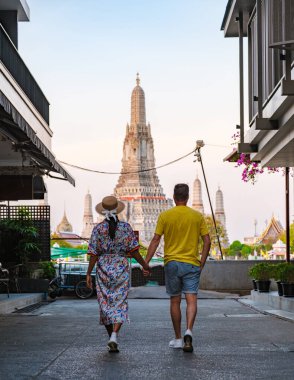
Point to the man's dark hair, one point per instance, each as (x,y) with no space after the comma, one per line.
(181,192)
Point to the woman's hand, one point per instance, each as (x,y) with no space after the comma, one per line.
(89,281)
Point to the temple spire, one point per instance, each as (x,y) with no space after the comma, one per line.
(138,113)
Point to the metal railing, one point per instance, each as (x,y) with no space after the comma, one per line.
(17,68)
(264,64)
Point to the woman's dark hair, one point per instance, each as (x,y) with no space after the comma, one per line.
(112,226)
(181,192)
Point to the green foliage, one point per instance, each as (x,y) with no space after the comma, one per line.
(261,271)
(283,237)
(239,249)
(61,243)
(252,272)
(277,270)
(48,269)
(143,250)
(25,235)
(213,237)
(246,250)
(287,273)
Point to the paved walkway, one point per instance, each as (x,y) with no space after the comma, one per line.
(62,340)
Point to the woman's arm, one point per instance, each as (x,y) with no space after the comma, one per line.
(92,262)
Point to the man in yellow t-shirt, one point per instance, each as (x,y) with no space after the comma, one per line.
(181,227)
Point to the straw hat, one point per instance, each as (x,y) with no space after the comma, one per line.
(110,203)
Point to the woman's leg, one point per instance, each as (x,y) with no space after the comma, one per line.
(116,327)
(109,329)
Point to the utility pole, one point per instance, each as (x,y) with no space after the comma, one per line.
(199,145)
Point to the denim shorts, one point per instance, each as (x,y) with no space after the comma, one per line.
(181,278)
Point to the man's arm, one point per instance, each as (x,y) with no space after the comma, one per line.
(152,247)
(205,250)
(136,255)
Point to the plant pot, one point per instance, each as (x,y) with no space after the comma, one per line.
(263,286)
(280,288)
(254,285)
(288,289)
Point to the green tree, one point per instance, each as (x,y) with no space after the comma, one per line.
(213,237)
(61,243)
(246,251)
(283,237)
(235,248)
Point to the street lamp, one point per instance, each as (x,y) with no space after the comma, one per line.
(200,144)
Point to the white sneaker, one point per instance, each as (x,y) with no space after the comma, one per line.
(112,343)
(176,343)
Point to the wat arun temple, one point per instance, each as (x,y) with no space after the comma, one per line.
(138,186)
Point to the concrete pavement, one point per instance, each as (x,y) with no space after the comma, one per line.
(62,340)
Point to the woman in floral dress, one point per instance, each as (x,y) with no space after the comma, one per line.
(110,242)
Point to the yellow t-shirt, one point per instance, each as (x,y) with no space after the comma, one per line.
(181,226)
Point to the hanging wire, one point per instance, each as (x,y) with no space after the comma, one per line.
(131,172)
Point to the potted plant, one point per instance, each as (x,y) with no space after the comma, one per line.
(251,272)
(263,273)
(22,244)
(287,279)
(277,270)
(48,270)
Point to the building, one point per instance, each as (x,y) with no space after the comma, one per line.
(64,225)
(270,30)
(197,202)
(88,222)
(25,133)
(138,186)
(272,232)
(269,235)
(219,208)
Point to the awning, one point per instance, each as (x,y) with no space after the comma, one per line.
(14,126)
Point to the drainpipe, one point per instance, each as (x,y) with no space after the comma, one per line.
(241,76)
(259,58)
(287,215)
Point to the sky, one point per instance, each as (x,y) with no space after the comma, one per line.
(85,56)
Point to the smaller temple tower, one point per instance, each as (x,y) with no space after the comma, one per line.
(220,215)
(219,208)
(197,203)
(88,223)
(64,225)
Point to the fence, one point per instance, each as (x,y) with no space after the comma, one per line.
(39,216)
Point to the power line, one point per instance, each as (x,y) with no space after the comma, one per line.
(131,172)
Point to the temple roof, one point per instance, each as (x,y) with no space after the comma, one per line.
(64,225)
(272,231)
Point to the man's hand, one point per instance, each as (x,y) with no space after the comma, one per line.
(146,270)
(89,281)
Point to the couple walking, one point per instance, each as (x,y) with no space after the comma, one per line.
(112,240)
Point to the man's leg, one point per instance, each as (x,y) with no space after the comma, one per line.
(176,316)
(191,300)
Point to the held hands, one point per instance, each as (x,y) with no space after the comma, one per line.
(146,270)
(89,281)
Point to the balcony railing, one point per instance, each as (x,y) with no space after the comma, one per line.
(275,27)
(17,68)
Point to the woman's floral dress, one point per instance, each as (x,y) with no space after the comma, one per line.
(112,270)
